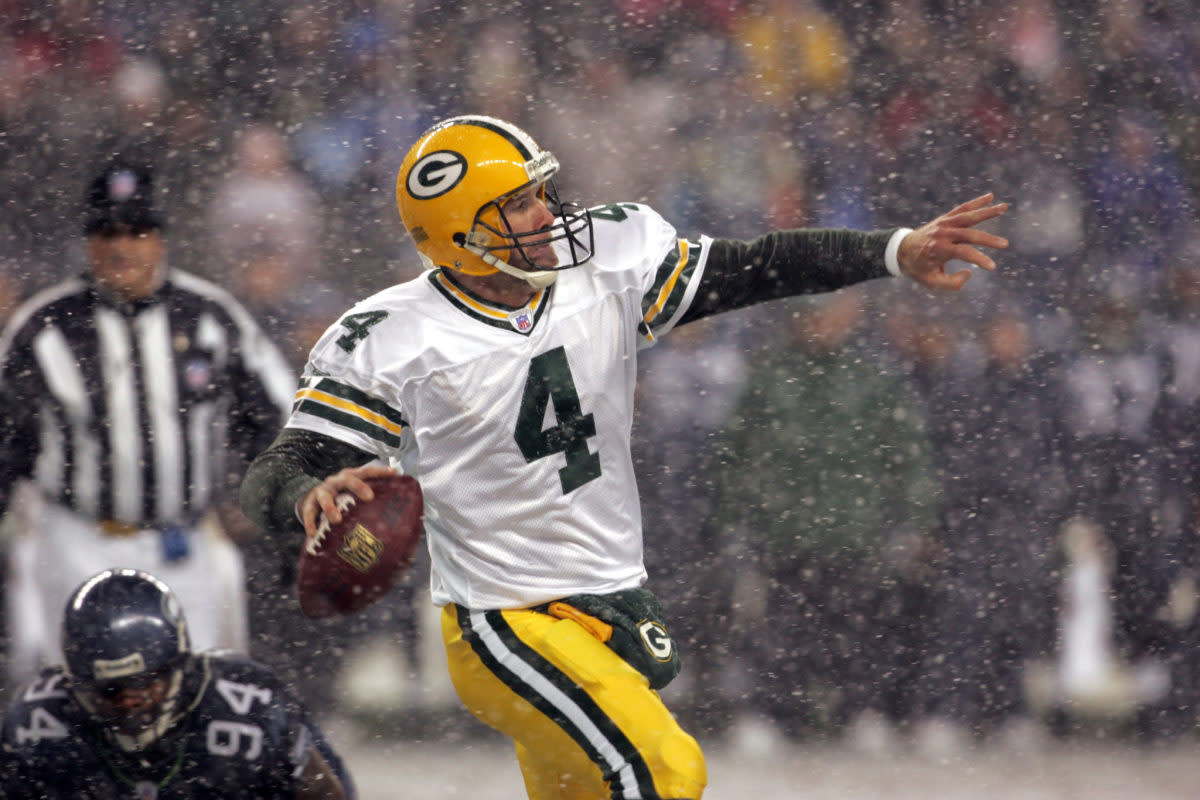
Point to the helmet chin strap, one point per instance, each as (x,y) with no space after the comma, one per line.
(167,714)
(538,279)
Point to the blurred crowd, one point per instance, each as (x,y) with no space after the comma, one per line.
(884,505)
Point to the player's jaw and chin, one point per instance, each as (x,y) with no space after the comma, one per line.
(529,224)
(534,255)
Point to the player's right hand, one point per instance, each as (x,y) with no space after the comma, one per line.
(924,253)
(323,497)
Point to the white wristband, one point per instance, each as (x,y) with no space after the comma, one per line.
(890,258)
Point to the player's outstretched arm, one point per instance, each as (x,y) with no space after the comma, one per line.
(924,253)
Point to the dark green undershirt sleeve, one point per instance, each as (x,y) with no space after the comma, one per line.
(295,462)
(785,263)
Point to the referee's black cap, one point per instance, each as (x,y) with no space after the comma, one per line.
(120,199)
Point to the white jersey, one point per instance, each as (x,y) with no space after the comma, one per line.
(517,422)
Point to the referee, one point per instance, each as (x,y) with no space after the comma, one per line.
(132,394)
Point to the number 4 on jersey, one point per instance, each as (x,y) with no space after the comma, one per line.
(357,327)
(613,211)
(550,381)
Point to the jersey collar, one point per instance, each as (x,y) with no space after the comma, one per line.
(519,320)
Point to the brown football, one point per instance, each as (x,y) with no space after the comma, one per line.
(348,566)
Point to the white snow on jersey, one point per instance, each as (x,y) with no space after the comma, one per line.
(516,421)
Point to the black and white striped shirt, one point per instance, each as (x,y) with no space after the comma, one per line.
(134,412)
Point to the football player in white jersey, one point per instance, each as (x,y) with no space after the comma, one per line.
(503,379)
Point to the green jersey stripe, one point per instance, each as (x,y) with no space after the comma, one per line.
(359,398)
(521,146)
(679,291)
(349,421)
(671,280)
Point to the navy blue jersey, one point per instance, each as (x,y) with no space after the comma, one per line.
(241,736)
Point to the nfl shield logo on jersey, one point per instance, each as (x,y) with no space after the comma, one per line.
(521,320)
(145,790)
(198,374)
(122,185)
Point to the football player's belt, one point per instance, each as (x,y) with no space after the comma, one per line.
(630,623)
(118,529)
(176,541)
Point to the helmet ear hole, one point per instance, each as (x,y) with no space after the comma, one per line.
(459,238)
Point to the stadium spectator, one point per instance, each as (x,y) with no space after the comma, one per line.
(132,391)
(1177,426)
(1049,231)
(687,386)
(616,137)
(792,51)
(1118,471)
(826,481)
(995,588)
(265,224)
(1137,193)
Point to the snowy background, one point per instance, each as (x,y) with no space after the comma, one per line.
(1014,617)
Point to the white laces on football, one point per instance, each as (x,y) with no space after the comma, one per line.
(344,501)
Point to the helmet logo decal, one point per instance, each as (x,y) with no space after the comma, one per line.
(541,168)
(435,174)
(107,670)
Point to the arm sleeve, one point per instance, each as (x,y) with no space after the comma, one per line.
(321,742)
(785,263)
(20,386)
(295,462)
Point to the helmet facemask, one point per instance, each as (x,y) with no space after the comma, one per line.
(492,239)
(491,235)
(134,730)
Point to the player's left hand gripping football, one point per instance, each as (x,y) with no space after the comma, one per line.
(323,498)
(924,253)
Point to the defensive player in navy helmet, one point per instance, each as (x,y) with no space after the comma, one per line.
(134,713)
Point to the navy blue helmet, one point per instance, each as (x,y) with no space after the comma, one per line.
(126,649)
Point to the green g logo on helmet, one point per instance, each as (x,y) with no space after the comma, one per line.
(436,174)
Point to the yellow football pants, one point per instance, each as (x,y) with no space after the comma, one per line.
(587,726)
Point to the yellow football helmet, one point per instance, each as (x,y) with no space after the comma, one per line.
(451,191)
